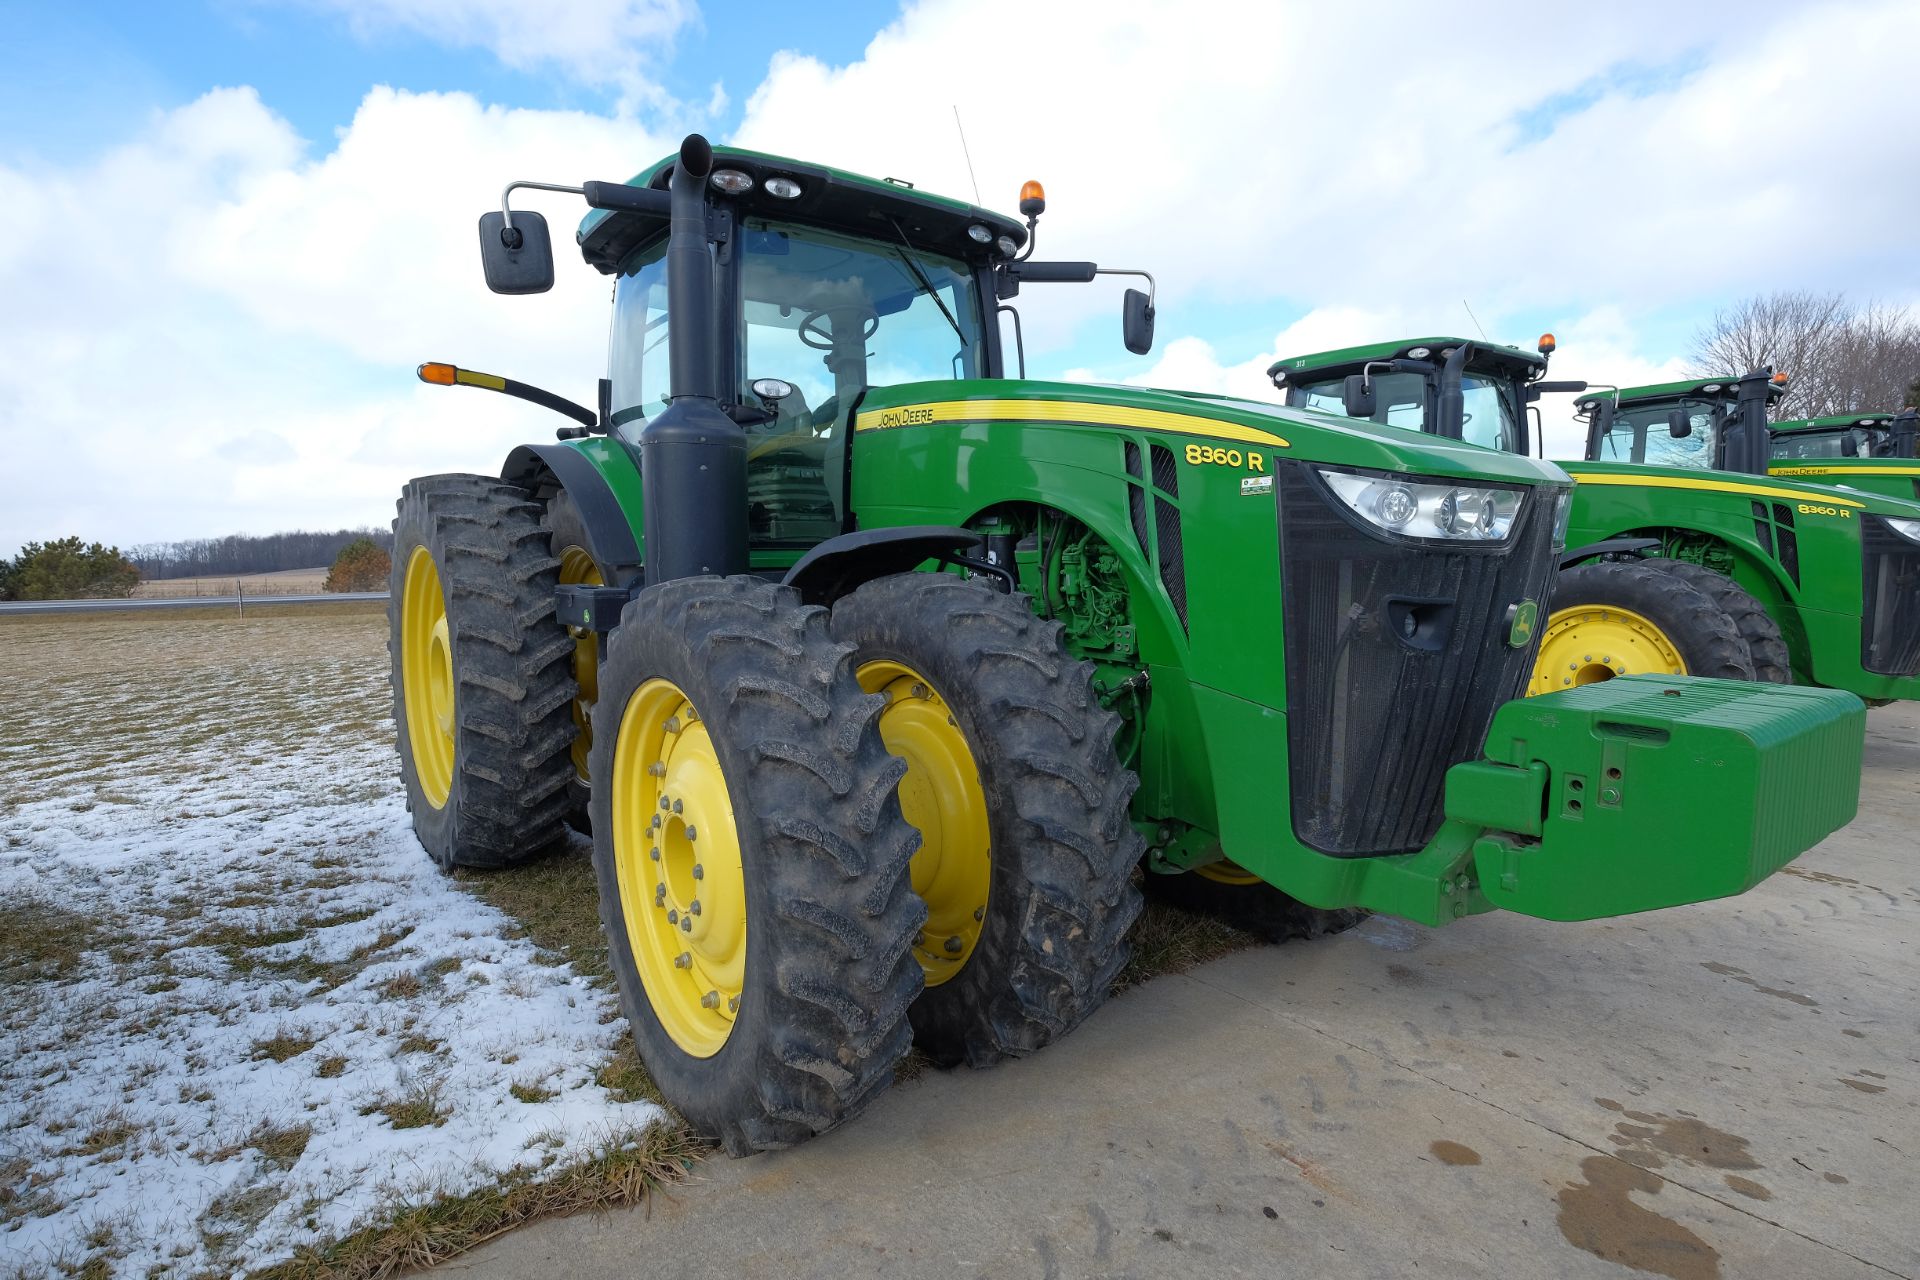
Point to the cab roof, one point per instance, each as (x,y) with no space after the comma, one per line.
(1724,384)
(830,198)
(1325,361)
(1834,422)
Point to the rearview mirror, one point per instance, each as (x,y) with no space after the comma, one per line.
(1356,396)
(1679,425)
(517,259)
(1136,322)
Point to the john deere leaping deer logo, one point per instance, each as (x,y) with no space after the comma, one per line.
(1523,617)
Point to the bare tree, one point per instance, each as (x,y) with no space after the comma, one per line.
(1841,358)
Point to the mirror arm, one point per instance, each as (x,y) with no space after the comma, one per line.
(506,214)
(1123,271)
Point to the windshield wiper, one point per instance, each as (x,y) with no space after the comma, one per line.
(926,285)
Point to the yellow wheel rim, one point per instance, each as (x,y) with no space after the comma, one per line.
(1224,872)
(426,677)
(676,857)
(576,566)
(941,796)
(1589,643)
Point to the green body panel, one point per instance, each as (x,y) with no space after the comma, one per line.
(1661,391)
(1358,356)
(1741,777)
(1897,478)
(1213,751)
(619,466)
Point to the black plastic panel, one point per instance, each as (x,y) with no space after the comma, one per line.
(1375,718)
(1890,617)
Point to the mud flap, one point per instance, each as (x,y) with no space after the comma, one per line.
(1649,791)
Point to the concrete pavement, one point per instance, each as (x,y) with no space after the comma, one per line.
(1731,1089)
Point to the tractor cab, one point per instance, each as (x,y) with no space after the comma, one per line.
(1478,392)
(1707,424)
(1846,435)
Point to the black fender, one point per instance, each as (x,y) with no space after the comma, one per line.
(544,468)
(1607,547)
(838,565)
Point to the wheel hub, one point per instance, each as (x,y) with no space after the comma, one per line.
(941,796)
(426,673)
(1585,644)
(677,861)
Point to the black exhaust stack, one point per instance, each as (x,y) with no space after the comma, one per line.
(1748,439)
(693,457)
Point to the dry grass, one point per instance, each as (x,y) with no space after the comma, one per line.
(622,1172)
(39,940)
(288,582)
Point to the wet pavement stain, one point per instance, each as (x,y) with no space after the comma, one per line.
(1857,1035)
(1454,1153)
(1652,1135)
(1741,975)
(1405,976)
(1822,877)
(1864,1086)
(1599,1216)
(1835,1179)
(1747,1187)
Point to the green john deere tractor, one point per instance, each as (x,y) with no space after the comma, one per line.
(899,671)
(1874,452)
(1685,555)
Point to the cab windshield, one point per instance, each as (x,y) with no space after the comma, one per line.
(1835,442)
(1491,418)
(820,317)
(1642,433)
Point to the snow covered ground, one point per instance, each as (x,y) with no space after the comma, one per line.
(239,1009)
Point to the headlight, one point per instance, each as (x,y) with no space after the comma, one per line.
(1419,509)
(1908,529)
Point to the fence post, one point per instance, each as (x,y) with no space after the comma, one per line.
(240,594)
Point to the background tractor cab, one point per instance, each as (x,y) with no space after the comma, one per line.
(1479,392)
(1715,424)
(1872,452)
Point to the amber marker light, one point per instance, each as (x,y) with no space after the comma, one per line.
(441,375)
(1033,198)
(1780,378)
(1546,344)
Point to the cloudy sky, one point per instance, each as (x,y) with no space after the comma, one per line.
(233,227)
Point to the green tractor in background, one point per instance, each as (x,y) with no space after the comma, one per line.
(895,672)
(1685,555)
(1874,452)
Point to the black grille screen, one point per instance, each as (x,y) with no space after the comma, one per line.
(1890,621)
(1374,721)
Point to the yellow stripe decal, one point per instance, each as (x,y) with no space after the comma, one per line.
(1718,486)
(1077,412)
(1843,471)
(492,382)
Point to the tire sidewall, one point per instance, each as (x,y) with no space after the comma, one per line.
(1679,609)
(436,827)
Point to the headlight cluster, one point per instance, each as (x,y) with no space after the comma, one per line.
(1419,509)
(1908,529)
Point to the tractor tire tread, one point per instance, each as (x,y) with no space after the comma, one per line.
(1772,664)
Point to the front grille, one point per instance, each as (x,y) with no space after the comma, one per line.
(1374,721)
(1890,619)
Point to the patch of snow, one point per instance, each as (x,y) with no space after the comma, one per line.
(241,854)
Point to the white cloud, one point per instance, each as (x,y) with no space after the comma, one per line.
(597,42)
(217,277)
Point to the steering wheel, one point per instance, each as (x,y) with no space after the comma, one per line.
(813,334)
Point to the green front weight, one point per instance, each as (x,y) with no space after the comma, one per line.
(1647,792)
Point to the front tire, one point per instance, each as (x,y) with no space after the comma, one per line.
(752,862)
(1012,778)
(480,677)
(1627,617)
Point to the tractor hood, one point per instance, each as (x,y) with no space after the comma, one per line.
(1774,485)
(1305,434)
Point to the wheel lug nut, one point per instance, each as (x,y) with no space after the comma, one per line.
(733,1004)
(711,1000)
(979,914)
(664,804)
(953,946)
(684,960)
(657,770)
(693,908)
(673,915)
(692,833)
(919,690)
(699,872)
(659,895)
(676,806)
(654,853)
(686,924)
(673,724)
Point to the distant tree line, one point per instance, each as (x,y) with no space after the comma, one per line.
(1839,356)
(243,553)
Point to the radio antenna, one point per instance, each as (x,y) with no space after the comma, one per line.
(968,154)
(1475,319)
